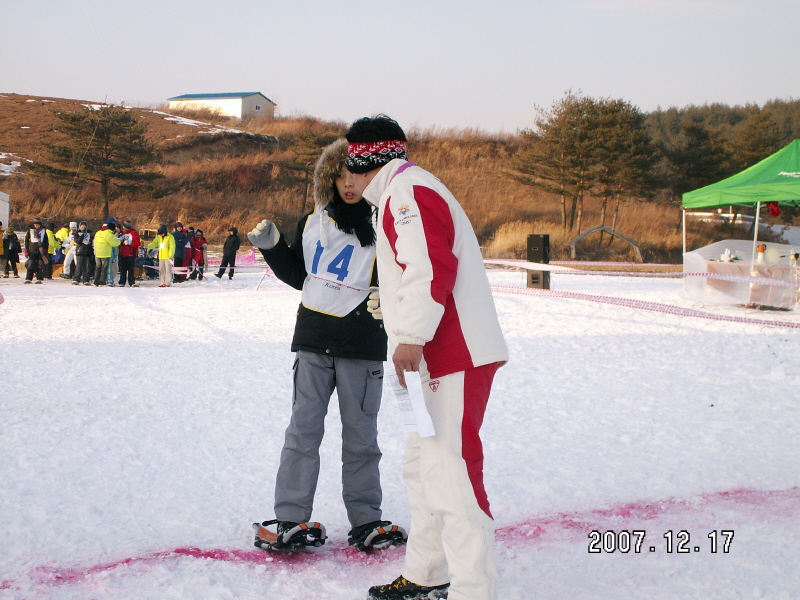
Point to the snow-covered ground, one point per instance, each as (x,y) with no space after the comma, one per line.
(789,234)
(8,169)
(140,431)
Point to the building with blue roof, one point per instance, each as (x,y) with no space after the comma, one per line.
(238,104)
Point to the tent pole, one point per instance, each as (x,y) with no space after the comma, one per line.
(755,235)
(753,258)
(683,220)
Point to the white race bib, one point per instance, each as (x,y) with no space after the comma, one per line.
(339,272)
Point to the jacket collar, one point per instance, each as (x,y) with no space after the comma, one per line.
(381,181)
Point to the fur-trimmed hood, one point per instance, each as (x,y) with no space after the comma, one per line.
(329,165)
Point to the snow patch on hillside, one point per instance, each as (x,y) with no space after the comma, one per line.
(8,169)
(213,129)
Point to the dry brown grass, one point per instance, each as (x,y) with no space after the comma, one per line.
(230,179)
(286,127)
(655,227)
(206,115)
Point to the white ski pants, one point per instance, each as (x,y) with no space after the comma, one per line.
(452,531)
(69,263)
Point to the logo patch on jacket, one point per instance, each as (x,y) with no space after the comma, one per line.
(434,385)
(404,215)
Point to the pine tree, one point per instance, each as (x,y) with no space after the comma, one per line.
(583,146)
(695,159)
(626,155)
(756,139)
(559,155)
(108,148)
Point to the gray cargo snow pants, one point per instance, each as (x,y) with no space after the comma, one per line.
(358,384)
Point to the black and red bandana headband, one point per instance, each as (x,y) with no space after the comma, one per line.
(362,158)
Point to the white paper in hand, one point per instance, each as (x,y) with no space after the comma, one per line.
(413,413)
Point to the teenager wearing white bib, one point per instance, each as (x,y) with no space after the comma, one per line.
(338,346)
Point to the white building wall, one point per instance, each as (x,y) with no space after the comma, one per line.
(259,106)
(4,210)
(229,107)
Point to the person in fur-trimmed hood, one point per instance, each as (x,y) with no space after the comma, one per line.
(340,346)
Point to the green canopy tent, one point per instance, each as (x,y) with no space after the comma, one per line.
(774,179)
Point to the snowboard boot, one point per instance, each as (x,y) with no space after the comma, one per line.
(402,589)
(376,535)
(288,537)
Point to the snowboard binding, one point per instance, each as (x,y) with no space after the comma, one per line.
(376,536)
(288,537)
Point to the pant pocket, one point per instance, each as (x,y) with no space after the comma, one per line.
(374,388)
(294,379)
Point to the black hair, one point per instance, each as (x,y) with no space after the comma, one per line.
(378,128)
(354,219)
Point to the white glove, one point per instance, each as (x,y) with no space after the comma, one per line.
(374,304)
(128,238)
(265,235)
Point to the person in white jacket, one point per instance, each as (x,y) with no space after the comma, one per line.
(441,321)
(69,250)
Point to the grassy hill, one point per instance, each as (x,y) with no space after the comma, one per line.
(221,172)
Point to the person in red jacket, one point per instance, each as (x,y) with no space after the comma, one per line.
(128,251)
(199,250)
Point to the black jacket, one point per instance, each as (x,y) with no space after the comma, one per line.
(231,245)
(34,246)
(11,247)
(83,247)
(180,243)
(356,335)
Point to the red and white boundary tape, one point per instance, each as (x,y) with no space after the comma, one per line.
(521,264)
(212,269)
(593,263)
(640,304)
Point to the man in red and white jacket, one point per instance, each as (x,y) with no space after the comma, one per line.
(441,320)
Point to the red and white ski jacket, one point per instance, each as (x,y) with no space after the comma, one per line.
(433,285)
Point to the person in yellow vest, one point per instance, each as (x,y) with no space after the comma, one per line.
(104,241)
(166,253)
(63,232)
(53,246)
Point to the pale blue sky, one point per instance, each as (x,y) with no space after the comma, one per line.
(466,63)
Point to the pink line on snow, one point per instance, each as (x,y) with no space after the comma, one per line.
(566,526)
(570,526)
(57,576)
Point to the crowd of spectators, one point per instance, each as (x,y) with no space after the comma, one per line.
(110,256)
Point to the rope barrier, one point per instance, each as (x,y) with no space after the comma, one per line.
(607,264)
(639,304)
(720,276)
